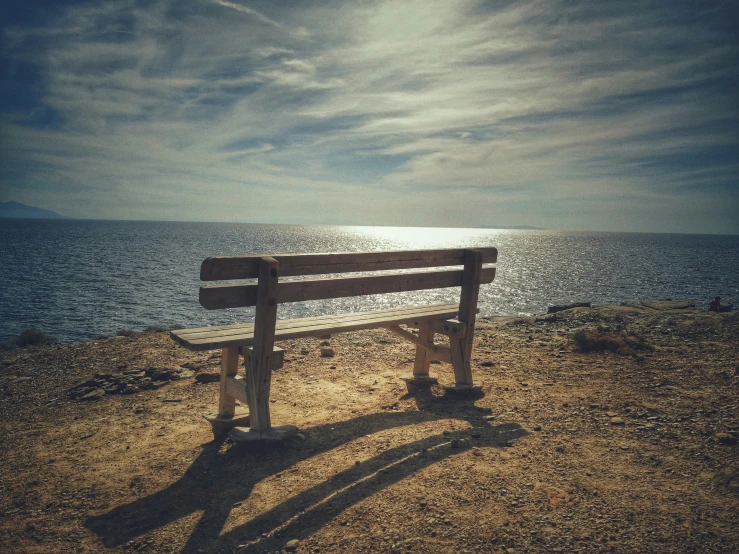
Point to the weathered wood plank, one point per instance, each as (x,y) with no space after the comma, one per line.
(229,368)
(220,268)
(450,327)
(439,352)
(259,358)
(236,388)
(432,310)
(278,357)
(243,335)
(235,296)
(422,361)
(467,313)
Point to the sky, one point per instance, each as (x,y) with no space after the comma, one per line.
(606,116)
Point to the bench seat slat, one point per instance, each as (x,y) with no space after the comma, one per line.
(283,324)
(210,338)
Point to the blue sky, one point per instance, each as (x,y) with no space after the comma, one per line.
(613,116)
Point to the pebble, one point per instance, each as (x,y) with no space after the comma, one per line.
(207,377)
(94,395)
(292,545)
(327,352)
(617,421)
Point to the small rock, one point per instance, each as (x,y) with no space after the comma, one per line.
(325,343)
(723,438)
(207,377)
(486,363)
(327,352)
(186,373)
(97,394)
(617,421)
(160,375)
(612,414)
(292,545)
(304,351)
(537,428)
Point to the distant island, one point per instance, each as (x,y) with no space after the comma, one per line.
(514,227)
(17,210)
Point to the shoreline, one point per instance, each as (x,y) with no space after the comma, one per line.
(668,303)
(598,451)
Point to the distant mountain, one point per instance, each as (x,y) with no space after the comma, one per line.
(21,211)
(515,227)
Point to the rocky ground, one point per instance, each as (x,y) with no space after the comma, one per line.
(104,448)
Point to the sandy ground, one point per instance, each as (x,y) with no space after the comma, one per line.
(564,451)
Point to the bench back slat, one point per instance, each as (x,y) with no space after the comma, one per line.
(217,297)
(221,268)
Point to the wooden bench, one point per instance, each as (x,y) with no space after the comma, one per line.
(256,340)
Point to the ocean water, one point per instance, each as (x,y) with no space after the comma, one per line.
(79,279)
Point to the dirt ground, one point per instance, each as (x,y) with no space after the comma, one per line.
(563,452)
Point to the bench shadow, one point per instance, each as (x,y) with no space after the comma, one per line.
(218,479)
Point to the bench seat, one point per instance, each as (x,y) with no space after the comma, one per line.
(226,336)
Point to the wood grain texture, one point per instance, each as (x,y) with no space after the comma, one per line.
(211,338)
(215,297)
(229,368)
(236,388)
(259,359)
(467,313)
(422,361)
(450,327)
(220,268)
(437,352)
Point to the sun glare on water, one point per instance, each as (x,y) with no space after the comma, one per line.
(419,238)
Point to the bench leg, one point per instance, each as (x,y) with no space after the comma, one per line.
(259,361)
(461,363)
(421,377)
(257,392)
(462,347)
(229,368)
(227,418)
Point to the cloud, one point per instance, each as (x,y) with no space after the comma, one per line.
(557,114)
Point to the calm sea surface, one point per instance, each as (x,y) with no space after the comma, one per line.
(76,280)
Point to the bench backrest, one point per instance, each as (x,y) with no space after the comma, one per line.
(218,268)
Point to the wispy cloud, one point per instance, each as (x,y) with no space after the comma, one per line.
(567,115)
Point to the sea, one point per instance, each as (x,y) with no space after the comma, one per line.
(77,280)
